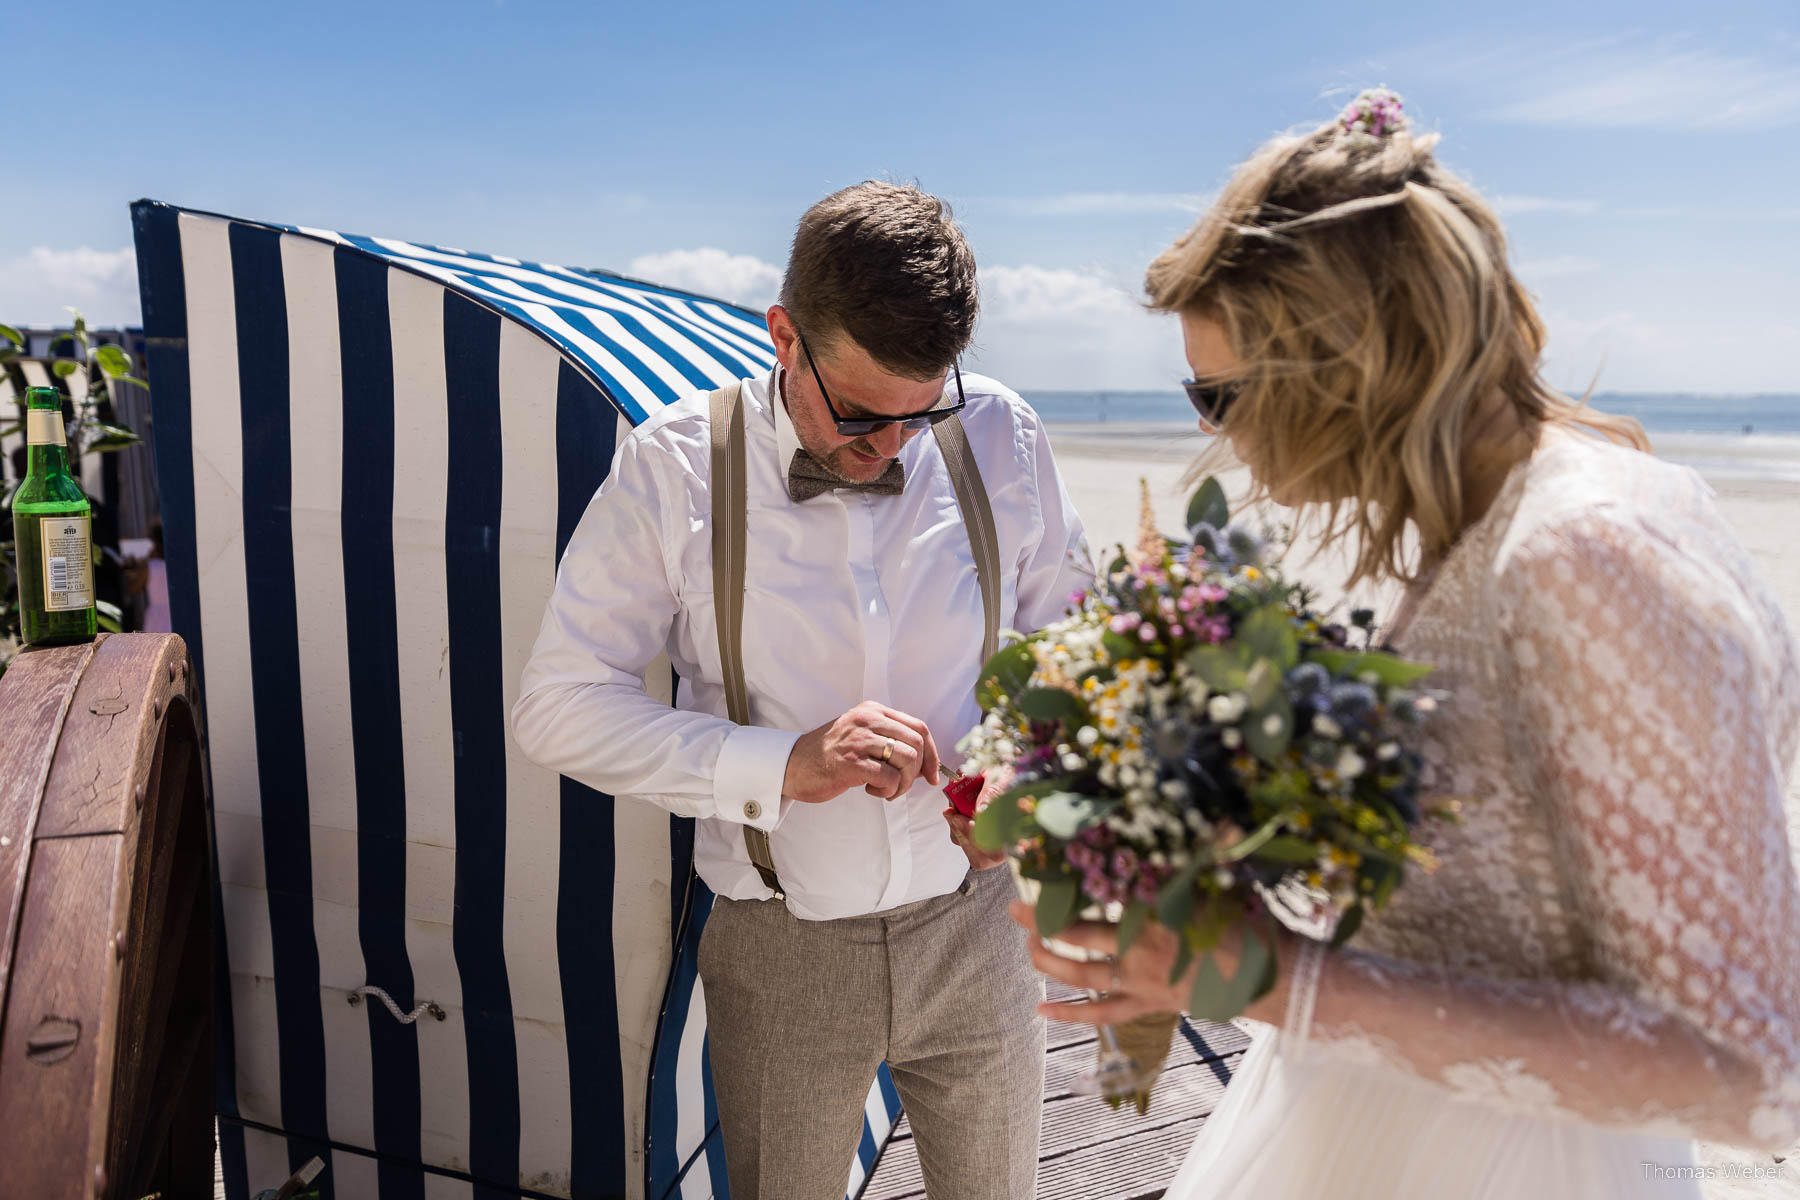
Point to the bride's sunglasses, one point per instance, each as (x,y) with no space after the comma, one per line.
(1211,400)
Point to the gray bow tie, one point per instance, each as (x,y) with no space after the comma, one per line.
(807,477)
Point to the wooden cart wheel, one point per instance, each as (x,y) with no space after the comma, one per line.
(106,978)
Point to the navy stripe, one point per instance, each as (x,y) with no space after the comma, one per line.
(417,1170)
(582,314)
(586,428)
(261,303)
(491,301)
(233,1166)
(162,284)
(663,1163)
(478,718)
(365,339)
(867,1151)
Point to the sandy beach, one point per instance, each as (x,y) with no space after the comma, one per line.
(1757,480)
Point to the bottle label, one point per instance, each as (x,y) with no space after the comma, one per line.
(68,563)
(44,427)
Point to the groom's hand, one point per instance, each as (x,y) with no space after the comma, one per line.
(878,748)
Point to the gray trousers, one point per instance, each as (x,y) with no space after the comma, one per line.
(801,1013)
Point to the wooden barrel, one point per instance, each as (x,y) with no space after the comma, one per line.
(106,982)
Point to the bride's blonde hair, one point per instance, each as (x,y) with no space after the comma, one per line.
(1366,292)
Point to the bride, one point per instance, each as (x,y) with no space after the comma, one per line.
(1606,965)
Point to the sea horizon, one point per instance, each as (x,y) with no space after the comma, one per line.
(1748,437)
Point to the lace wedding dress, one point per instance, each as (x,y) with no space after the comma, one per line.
(1606,965)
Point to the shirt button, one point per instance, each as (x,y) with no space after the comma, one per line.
(752,809)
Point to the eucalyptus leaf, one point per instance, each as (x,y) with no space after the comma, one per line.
(1119,647)
(1215,998)
(1269,632)
(12,335)
(1390,669)
(1289,849)
(1131,923)
(1065,814)
(1005,674)
(1347,925)
(1224,668)
(1268,730)
(1208,993)
(1262,684)
(1208,506)
(65,367)
(1175,900)
(1255,841)
(1059,900)
(1053,704)
(1184,958)
(1001,823)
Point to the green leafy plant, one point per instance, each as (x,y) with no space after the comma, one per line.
(89,432)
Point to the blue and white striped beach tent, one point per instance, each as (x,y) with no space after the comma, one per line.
(371,455)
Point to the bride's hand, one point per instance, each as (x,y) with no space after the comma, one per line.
(1138,983)
(1134,985)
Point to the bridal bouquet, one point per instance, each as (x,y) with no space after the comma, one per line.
(1191,743)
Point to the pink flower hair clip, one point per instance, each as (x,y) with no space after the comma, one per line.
(1374,113)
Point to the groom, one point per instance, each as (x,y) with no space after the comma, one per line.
(851,926)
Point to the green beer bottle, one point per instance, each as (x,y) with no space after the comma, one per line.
(51,533)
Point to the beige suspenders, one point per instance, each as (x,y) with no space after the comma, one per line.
(728,533)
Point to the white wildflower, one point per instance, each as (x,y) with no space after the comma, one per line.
(1350,764)
(1226,709)
(1324,726)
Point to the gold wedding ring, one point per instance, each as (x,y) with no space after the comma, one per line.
(887,751)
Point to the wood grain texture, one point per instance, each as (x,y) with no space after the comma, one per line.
(34,695)
(66,967)
(110,734)
(105,1012)
(1089,1151)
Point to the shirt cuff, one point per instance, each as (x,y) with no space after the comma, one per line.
(747,778)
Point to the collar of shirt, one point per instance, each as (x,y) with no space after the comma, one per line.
(772,391)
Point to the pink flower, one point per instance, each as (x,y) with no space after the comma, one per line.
(1146,633)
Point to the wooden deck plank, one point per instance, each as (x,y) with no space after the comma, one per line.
(1092,1152)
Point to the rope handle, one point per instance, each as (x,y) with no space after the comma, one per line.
(425,1006)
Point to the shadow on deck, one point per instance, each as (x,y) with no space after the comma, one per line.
(1089,1151)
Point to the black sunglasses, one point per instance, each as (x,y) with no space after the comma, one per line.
(1211,400)
(858,426)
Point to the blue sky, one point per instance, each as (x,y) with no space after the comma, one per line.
(1642,155)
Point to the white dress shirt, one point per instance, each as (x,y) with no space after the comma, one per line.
(850,596)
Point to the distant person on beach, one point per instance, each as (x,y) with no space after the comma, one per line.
(852,926)
(1603,967)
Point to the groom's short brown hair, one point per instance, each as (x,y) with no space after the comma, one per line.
(884,265)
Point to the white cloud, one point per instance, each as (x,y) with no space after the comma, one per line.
(1662,86)
(1109,204)
(1511,206)
(1625,81)
(1533,269)
(39,287)
(742,278)
(1051,327)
